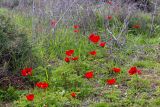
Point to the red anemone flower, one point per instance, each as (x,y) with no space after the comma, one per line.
(111,81)
(39,84)
(26,72)
(76,26)
(102,44)
(109,2)
(69,52)
(67,59)
(108,17)
(139,72)
(30,97)
(94,38)
(73,94)
(93,53)
(116,70)
(42,85)
(89,75)
(76,31)
(75,58)
(134,70)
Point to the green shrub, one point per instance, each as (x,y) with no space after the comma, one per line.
(15,51)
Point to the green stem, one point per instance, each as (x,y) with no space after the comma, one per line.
(46,74)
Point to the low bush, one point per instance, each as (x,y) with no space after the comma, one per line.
(15,50)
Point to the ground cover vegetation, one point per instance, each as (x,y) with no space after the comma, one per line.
(79,53)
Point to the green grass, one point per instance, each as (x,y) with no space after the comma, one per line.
(146,64)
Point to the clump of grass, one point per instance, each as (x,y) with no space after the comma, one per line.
(145,64)
(139,84)
(101,104)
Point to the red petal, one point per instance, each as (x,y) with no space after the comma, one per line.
(139,72)
(75,58)
(89,75)
(117,70)
(30,97)
(67,59)
(44,85)
(93,53)
(111,81)
(133,70)
(76,31)
(69,52)
(24,72)
(73,94)
(76,26)
(102,44)
(94,38)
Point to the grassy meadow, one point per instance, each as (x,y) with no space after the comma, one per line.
(84,61)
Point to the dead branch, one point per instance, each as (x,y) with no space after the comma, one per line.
(153,18)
